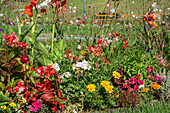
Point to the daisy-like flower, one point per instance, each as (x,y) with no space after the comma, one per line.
(145,90)
(91,87)
(116,75)
(3,107)
(105,83)
(12,104)
(109,88)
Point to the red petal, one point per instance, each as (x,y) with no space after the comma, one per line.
(47,97)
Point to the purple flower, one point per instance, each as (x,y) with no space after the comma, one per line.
(1,29)
(89,6)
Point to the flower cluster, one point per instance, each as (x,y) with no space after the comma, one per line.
(155,86)
(133,83)
(154,78)
(116,75)
(45,71)
(145,90)
(91,87)
(25,58)
(36,106)
(84,65)
(3,107)
(12,104)
(150,18)
(28,9)
(69,54)
(59,4)
(107,86)
(13,42)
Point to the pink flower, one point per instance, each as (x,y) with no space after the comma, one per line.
(151,75)
(138,76)
(150,69)
(36,106)
(65,55)
(105,43)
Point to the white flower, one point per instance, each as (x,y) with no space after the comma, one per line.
(67,74)
(74,111)
(1,15)
(108,5)
(84,65)
(75,7)
(77,21)
(74,66)
(70,7)
(56,67)
(71,22)
(168,8)
(155,9)
(113,10)
(141,86)
(79,46)
(24,100)
(74,11)
(133,2)
(154,4)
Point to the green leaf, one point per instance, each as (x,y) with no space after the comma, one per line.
(35,35)
(10,29)
(57,99)
(22,36)
(132,41)
(3,103)
(35,74)
(42,48)
(44,61)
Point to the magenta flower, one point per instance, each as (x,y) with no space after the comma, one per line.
(150,69)
(36,106)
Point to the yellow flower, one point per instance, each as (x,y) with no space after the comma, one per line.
(12,104)
(105,83)
(116,75)
(117,96)
(109,88)
(91,87)
(145,90)
(3,107)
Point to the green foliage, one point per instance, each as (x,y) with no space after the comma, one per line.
(136,61)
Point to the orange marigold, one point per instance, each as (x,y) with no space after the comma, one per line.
(145,90)
(155,86)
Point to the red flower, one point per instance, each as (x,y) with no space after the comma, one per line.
(24,58)
(28,11)
(125,44)
(62,7)
(43,11)
(34,3)
(54,109)
(61,106)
